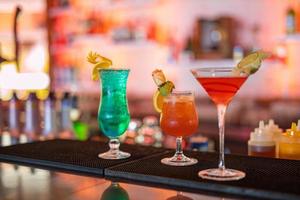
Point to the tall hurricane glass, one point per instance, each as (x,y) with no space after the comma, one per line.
(221,84)
(113,114)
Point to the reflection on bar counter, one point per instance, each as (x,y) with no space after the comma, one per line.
(115,192)
(289,143)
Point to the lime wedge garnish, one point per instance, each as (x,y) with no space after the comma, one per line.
(166,88)
(252,62)
(158,97)
(99,62)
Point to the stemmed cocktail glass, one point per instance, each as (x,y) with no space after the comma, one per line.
(221,84)
(179,118)
(113,114)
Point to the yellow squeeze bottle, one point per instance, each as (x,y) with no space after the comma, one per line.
(289,143)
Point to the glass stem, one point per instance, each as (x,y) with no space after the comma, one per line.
(221,119)
(114,145)
(179,153)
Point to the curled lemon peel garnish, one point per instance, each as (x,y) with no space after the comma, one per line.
(251,63)
(100,62)
(164,88)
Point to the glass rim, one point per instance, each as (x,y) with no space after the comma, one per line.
(114,69)
(181,93)
(177,95)
(199,72)
(216,69)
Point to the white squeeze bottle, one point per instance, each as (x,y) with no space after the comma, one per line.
(277,132)
(261,142)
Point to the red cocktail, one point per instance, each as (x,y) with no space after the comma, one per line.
(221,84)
(221,89)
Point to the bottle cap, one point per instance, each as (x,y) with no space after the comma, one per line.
(293,131)
(274,128)
(261,136)
(32,97)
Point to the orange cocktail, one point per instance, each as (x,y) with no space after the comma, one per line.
(179,118)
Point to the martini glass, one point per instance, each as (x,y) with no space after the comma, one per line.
(221,84)
(113,114)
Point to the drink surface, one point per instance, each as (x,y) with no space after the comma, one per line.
(179,118)
(113,114)
(221,89)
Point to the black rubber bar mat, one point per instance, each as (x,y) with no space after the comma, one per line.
(266,178)
(70,155)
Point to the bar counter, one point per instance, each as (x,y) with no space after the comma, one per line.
(266,178)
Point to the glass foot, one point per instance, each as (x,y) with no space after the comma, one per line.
(179,161)
(221,175)
(114,155)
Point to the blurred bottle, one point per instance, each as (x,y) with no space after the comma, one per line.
(262,142)
(66,123)
(150,132)
(132,132)
(32,120)
(1,119)
(5,139)
(274,129)
(74,110)
(199,143)
(289,143)
(80,128)
(50,128)
(13,119)
(290,21)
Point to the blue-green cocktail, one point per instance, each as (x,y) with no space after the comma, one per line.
(113,114)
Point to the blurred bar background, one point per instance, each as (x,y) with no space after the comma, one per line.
(55,36)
